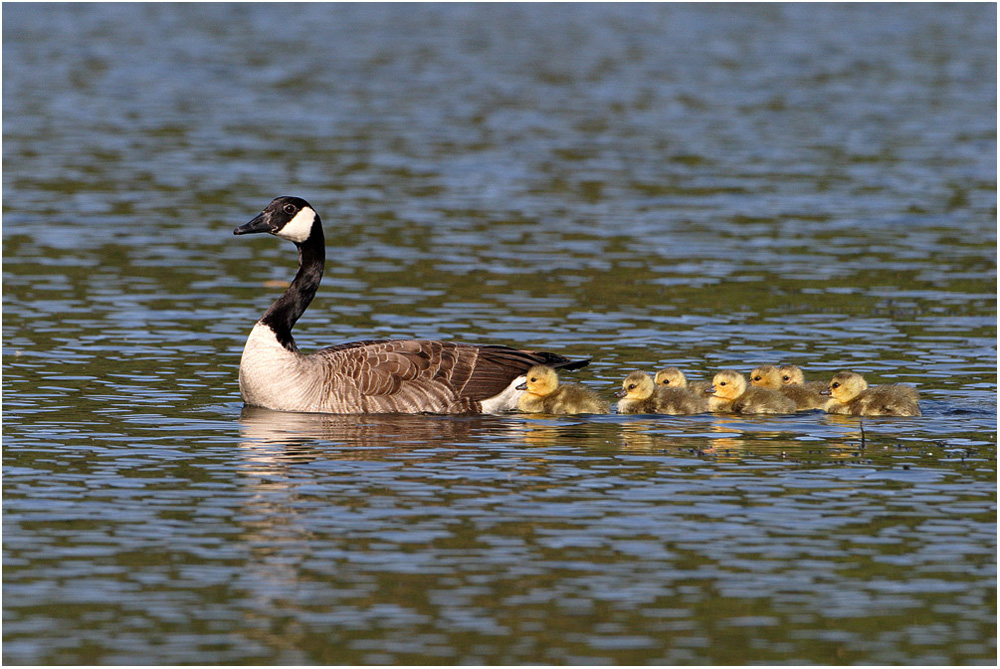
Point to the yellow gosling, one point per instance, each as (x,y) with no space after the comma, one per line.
(544,394)
(766,376)
(731,393)
(852,396)
(639,390)
(772,378)
(671,377)
(791,375)
(638,394)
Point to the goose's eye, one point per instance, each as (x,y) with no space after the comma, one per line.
(631,386)
(756,378)
(834,385)
(786,378)
(533,379)
(289,208)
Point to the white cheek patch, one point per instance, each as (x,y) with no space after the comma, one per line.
(298,229)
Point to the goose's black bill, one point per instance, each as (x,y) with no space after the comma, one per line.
(258,224)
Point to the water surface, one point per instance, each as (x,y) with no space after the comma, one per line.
(701,186)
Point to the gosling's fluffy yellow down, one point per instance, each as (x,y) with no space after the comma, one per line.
(640,394)
(852,396)
(772,378)
(671,377)
(791,375)
(730,393)
(544,394)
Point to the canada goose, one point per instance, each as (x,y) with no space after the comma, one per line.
(640,394)
(771,377)
(371,376)
(671,377)
(544,394)
(730,392)
(852,396)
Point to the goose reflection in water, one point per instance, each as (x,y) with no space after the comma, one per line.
(360,432)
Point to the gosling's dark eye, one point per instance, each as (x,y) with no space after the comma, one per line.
(834,385)
(756,378)
(786,378)
(289,208)
(722,383)
(631,386)
(533,379)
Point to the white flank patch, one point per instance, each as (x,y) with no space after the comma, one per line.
(297,230)
(506,400)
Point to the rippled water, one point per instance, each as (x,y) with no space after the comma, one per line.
(705,186)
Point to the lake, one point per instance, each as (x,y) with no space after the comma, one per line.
(705,186)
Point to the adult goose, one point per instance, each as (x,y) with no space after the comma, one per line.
(371,376)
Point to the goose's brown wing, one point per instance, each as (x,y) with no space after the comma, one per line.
(427,375)
(496,366)
(381,367)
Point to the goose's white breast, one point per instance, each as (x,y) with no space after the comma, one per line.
(271,376)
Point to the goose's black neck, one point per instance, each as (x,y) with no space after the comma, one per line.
(286,310)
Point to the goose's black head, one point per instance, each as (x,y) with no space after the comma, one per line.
(290,218)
